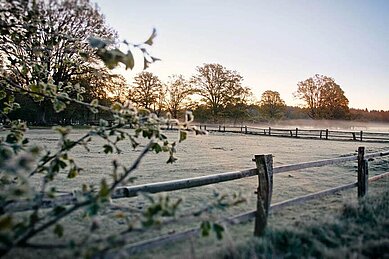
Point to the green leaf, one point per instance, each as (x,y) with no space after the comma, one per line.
(149,41)
(205,228)
(5,222)
(62,164)
(219,229)
(116,106)
(157,148)
(183,135)
(73,172)
(58,105)
(145,63)
(3,94)
(58,230)
(93,209)
(108,149)
(129,60)
(104,189)
(94,103)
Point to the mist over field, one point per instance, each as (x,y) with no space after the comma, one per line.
(329,124)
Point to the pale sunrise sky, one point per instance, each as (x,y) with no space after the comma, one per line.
(272,44)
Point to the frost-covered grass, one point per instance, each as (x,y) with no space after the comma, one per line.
(360,229)
(204,155)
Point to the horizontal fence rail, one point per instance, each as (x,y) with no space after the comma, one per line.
(323,134)
(132,191)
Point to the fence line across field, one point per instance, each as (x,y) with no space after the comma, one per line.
(132,191)
(264,171)
(323,134)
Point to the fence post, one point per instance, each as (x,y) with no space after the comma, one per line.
(363,172)
(291,133)
(354,137)
(361,135)
(326,133)
(321,133)
(269,131)
(220,128)
(264,192)
(224,128)
(245,129)
(205,127)
(297,130)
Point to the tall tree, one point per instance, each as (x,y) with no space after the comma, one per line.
(323,98)
(43,41)
(178,90)
(219,87)
(145,90)
(271,105)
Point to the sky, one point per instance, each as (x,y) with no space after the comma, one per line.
(272,44)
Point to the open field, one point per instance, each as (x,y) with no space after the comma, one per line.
(217,153)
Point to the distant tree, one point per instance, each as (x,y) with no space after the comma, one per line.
(323,97)
(271,105)
(159,104)
(178,90)
(46,41)
(145,90)
(219,87)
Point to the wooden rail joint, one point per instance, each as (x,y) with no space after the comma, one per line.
(264,192)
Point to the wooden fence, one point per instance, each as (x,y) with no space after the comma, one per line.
(264,170)
(323,134)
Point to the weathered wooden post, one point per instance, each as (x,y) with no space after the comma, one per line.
(291,133)
(205,127)
(224,128)
(264,132)
(245,129)
(321,134)
(326,133)
(241,129)
(361,135)
(269,131)
(220,128)
(363,172)
(354,137)
(297,131)
(264,192)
